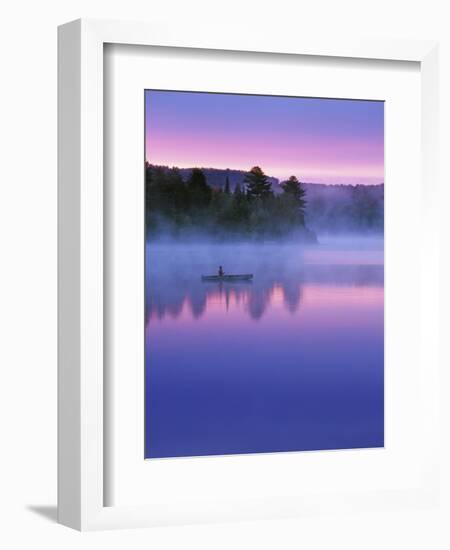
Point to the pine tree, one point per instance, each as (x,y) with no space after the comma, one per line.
(257,184)
(296,192)
(227,186)
(200,192)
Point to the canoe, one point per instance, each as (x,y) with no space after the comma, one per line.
(245,277)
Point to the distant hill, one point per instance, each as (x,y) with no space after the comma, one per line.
(340,208)
(216,177)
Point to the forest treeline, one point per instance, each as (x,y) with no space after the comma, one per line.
(250,204)
(177,206)
(339,209)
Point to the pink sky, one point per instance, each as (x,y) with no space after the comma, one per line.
(317,140)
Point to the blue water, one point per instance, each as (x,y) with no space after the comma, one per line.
(291,361)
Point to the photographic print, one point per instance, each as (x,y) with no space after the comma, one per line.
(264,274)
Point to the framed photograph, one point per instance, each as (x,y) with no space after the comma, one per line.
(247,325)
(264,295)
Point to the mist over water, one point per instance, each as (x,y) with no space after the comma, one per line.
(292,360)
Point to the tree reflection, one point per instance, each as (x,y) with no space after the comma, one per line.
(171,294)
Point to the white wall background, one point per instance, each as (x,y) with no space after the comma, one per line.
(28,268)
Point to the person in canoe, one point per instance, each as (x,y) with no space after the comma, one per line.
(221,271)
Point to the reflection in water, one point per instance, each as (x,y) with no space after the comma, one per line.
(293,360)
(171,295)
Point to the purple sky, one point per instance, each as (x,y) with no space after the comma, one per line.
(317,140)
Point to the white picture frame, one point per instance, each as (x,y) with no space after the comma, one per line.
(81,408)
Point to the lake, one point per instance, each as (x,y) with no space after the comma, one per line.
(292,361)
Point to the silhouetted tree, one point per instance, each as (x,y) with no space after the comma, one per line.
(227,185)
(296,193)
(200,192)
(165,191)
(258,185)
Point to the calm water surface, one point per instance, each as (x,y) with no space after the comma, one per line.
(291,361)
